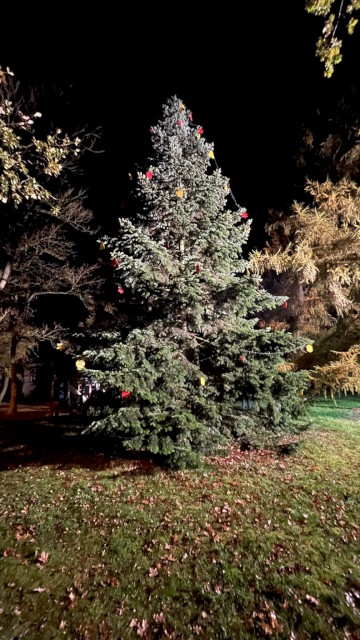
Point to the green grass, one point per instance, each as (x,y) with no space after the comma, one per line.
(251,546)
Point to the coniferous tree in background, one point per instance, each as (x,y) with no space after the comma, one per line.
(177,377)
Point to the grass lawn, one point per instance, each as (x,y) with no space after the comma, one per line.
(252,546)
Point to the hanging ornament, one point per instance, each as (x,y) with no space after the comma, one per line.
(197,135)
(180,123)
(211,155)
(168,245)
(182,106)
(309,348)
(227,187)
(80,364)
(114,262)
(151,130)
(247,272)
(200,130)
(60,346)
(149,175)
(202,381)
(284,304)
(102,246)
(244,214)
(130,175)
(125,394)
(190,117)
(300,393)
(182,245)
(242,358)
(180,193)
(198,268)
(120,290)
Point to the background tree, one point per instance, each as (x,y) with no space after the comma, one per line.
(329,146)
(341,375)
(338,15)
(177,377)
(41,224)
(317,249)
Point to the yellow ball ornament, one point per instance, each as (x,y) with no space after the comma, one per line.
(102,246)
(203,381)
(60,346)
(80,364)
(211,155)
(180,193)
(309,348)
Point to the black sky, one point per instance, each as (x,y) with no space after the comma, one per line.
(247,71)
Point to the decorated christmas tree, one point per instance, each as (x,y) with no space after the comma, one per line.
(190,368)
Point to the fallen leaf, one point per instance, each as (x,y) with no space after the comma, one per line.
(114,582)
(266,628)
(43,558)
(72,598)
(40,589)
(158,617)
(142,628)
(350,601)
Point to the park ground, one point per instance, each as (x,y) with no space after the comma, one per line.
(256,545)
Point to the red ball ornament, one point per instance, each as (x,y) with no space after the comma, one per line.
(120,290)
(244,214)
(198,268)
(149,175)
(151,130)
(180,123)
(200,130)
(284,304)
(114,262)
(190,117)
(125,394)
(242,358)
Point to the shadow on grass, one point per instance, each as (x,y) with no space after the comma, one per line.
(61,444)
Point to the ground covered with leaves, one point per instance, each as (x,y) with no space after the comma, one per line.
(254,545)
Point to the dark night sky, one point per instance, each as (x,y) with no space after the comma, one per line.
(248,73)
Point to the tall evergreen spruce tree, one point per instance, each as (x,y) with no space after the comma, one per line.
(189,368)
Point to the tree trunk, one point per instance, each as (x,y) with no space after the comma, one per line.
(13,378)
(4,389)
(299,309)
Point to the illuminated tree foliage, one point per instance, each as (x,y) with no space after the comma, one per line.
(319,246)
(316,254)
(341,375)
(338,16)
